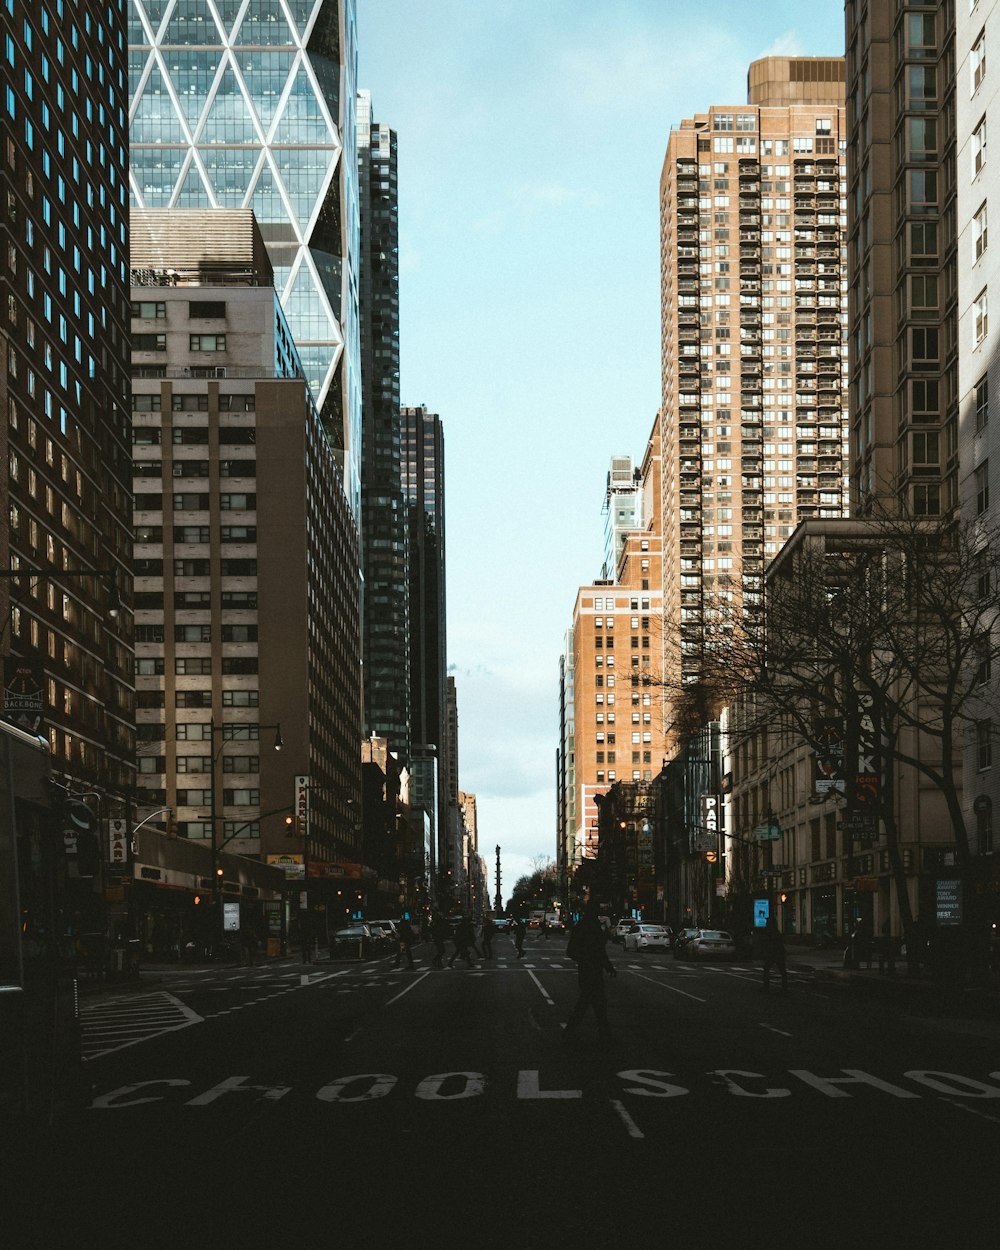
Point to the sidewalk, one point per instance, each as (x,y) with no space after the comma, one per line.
(947,997)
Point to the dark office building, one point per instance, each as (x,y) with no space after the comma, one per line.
(423,486)
(64,386)
(383,510)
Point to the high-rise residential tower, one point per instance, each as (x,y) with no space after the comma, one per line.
(64,387)
(247,587)
(252,105)
(384,541)
(977,95)
(423,488)
(753,334)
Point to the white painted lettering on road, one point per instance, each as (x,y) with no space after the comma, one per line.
(112,1100)
(528,1087)
(380,1084)
(734,1087)
(828,1084)
(472,1085)
(952,1083)
(238,1085)
(655,1088)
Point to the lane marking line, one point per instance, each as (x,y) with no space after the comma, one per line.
(772,1029)
(663,985)
(411,986)
(541,987)
(633,1129)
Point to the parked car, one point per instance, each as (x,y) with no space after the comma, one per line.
(353,941)
(623,927)
(710,944)
(643,937)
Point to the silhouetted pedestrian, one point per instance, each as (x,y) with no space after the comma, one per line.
(586,948)
(519,932)
(489,928)
(772,949)
(438,932)
(464,938)
(405,937)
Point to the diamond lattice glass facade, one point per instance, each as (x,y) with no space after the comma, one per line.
(251,104)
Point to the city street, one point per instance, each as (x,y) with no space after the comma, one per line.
(358,1103)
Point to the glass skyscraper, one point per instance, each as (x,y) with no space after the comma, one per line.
(251,104)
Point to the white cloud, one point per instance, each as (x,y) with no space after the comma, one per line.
(788,44)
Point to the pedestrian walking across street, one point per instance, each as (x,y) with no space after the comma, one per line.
(519,931)
(586,947)
(773,954)
(489,928)
(438,932)
(405,937)
(464,938)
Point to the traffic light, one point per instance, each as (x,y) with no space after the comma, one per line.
(80,825)
(289,825)
(220,872)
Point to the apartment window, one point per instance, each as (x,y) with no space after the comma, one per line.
(984,824)
(202,310)
(923,191)
(926,448)
(979,148)
(982,488)
(193,666)
(979,230)
(984,744)
(192,763)
(241,763)
(192,633)
(984,660)
(193,698)
(149,342)
(980,308)
(207,342)
(149,310)
(145,403)
(240,698)
(977,61)
(982,403)
(241,798)
(927,499)
(923,291)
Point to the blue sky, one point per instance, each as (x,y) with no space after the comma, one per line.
(531,138)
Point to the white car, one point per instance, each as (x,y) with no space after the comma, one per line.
(645,937)
(623,927)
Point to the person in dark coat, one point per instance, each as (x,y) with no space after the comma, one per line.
(405,936)
(587,948)
(489,928)
(465,937)
(772,950)
(519,932)
(438,931)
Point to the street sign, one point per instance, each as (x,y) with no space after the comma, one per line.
(768,833)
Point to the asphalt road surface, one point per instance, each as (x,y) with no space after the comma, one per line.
(361,1105)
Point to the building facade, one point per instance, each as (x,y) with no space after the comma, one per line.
(248,586)
(385,558)
(240,107)
(753,277)
(422,458)
(64,391)
(977,96)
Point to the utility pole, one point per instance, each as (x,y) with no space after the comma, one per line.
(498,902)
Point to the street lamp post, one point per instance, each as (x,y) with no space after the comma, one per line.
(218,872)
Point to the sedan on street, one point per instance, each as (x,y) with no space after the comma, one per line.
(646,937)
(708,944)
